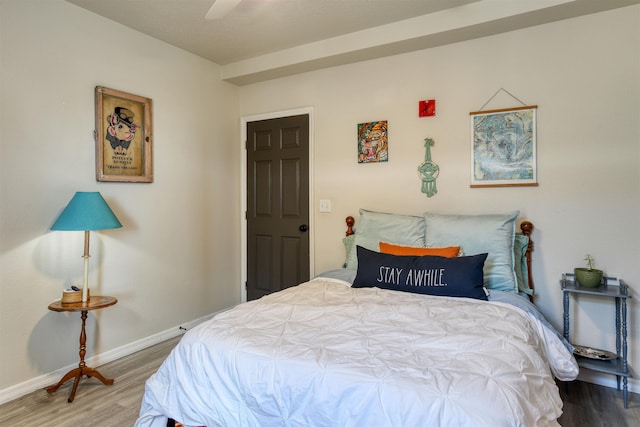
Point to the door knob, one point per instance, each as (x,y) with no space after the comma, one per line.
(303,228)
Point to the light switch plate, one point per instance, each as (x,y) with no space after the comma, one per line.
(325,205)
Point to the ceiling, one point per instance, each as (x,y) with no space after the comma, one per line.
(264,39)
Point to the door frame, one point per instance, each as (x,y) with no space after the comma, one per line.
(243,189)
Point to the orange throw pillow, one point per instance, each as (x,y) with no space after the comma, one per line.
(448,252)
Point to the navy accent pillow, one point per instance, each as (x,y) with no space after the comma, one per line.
(431,275)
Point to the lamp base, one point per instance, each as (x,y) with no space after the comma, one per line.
(69,296)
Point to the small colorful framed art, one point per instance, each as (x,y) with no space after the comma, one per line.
(373,142)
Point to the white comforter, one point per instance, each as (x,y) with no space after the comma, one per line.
(325,354)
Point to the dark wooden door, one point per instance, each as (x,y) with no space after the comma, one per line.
(277,204)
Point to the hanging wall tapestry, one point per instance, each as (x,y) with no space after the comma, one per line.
(503,147)
(428,170)
(123,137)
(373,144)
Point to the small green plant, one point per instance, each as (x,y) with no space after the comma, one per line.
(589,260)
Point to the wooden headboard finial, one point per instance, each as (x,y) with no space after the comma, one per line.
(350,221)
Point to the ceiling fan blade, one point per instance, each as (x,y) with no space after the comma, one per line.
(220,8)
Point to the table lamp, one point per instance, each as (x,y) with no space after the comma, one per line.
(85,212)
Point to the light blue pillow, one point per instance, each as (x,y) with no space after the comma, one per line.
(375,227)
(476,234)
(520,245)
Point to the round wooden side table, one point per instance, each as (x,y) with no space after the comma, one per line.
(95,302)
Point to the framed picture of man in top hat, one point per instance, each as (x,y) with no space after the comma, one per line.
(123,137)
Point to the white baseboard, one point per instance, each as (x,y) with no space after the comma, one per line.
(11,393)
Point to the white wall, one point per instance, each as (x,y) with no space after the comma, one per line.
(584,75)
(176,258)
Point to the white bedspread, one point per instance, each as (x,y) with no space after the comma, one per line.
(325,354)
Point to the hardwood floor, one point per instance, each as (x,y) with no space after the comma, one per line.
(97,405)
(591,405)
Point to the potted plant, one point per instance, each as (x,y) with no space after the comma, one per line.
(588,277)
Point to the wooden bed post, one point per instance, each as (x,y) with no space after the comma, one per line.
(350,221)
(527,228)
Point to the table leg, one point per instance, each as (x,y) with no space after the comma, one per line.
(566,331)
(625,367)
(82,368)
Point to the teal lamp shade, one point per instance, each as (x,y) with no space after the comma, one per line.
(86,211)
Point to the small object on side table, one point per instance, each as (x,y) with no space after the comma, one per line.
(588,277)
(70,296)
(94,303)
(593,353)
(617,366)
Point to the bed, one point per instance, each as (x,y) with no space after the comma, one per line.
(429,322)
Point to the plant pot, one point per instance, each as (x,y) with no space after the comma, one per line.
(588,278)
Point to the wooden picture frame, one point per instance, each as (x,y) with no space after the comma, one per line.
(123,136)
(503,147)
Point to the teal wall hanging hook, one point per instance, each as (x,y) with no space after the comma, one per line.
(428,170)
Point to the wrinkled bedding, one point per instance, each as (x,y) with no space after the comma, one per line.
(325,354)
